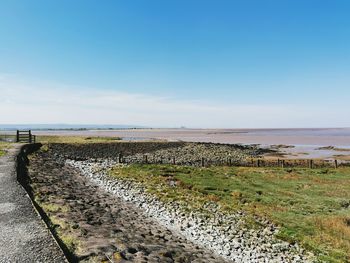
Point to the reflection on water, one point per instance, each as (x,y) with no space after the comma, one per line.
(314,152)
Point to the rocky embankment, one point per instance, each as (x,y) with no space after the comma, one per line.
(192,154)
(97,225)
(225,235)
(184,153)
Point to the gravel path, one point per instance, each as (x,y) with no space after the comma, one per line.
(23,236)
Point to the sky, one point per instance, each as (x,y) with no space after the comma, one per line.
(193,63)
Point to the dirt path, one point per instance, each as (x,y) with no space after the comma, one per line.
(101,226)
(23,236)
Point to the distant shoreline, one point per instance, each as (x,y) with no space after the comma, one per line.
(92,127)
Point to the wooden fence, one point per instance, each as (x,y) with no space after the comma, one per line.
(6,137)
(253,162)
(25,136)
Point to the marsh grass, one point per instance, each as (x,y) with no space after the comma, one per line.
(312,206)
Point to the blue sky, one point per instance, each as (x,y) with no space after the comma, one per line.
(171,63)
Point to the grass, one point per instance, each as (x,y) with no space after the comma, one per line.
(311,206)
(46,139)
(59,225)
(53,208)
(3,147)
(74,139)
(66,139)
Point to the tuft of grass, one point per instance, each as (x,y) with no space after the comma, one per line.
(70,241)
(64,232)
(312,206)
(54,208)
(58,224)
(117,257)
(62,228)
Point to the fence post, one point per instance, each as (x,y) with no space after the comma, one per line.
(202,162)
(174,160)
(146,159)
(335,164)
(120,158)
(17,136)
(258,163)
(229,162)
(30,136)
(311,164)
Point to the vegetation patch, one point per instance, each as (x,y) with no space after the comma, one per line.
(310,205)
(3,147)
(58,223)
(54,208)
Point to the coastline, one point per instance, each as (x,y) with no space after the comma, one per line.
(299,143)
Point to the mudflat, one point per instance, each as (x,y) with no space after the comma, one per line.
(325,137)
(306,142)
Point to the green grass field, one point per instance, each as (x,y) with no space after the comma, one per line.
(67,139)
(312,206)
(75,139)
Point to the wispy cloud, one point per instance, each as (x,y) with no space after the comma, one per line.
(24,101)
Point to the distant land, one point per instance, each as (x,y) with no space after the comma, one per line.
(11,127)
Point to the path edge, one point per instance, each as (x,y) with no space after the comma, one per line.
(21,170)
